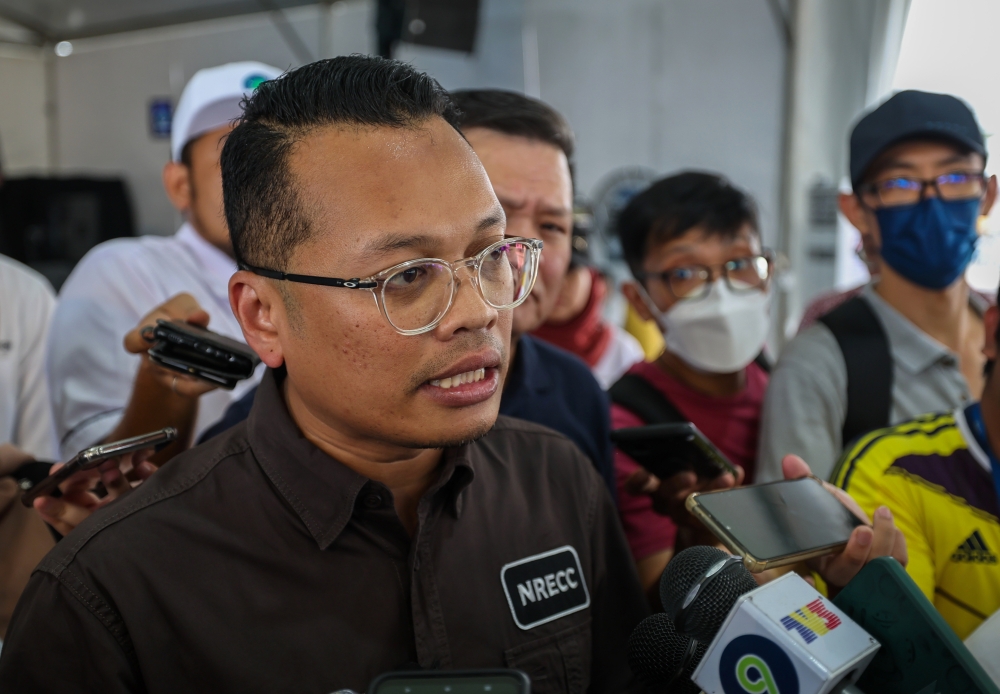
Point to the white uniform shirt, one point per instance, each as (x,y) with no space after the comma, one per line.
(109,291)
(26,304)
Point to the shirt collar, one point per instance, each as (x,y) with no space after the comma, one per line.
(214,262)
(911,347)
(322,491)
(975,449)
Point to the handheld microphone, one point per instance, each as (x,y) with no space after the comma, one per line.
(783,636)
(662,659)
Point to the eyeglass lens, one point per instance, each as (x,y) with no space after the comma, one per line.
(743,274)
(418,295)
(906,191)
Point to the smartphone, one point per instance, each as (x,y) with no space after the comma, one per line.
(94,456)
(666,449)
(454,682)
(778,523)
(201,353)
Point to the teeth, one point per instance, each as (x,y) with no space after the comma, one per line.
(460,379)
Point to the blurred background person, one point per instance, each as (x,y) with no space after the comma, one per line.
(577,324)
(940,476)
(26,427)
(693,244)
(911,342)
(100,391)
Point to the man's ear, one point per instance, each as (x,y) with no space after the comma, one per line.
(635,297)
(991,319)
(177,183)
(862,218)
(990,197)
(259,310)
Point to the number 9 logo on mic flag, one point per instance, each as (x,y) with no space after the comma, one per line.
(752,664)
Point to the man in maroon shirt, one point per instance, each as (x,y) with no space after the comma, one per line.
(693,244)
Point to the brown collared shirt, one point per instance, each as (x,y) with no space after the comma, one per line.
(256,563)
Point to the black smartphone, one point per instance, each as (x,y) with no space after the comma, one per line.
(454,682)
(201,353)
(777,523)
(666,449)
(91,458)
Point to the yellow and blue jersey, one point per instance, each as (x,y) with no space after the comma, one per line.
(936,478)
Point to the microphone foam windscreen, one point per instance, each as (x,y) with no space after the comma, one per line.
(656,652)
(702,619)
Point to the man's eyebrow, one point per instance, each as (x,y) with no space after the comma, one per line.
(948,161)
(493,219)
(388,243)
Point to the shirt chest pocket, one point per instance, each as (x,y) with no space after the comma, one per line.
(556,663)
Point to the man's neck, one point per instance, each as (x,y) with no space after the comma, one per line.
(942,314)
(715,385)
(407,472)
(990,408)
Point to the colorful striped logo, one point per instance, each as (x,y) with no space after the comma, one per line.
(812,621)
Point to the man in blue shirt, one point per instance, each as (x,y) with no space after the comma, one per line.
(526,148)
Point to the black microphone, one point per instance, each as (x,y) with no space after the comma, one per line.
(760,638)
(662,659)
(700,586)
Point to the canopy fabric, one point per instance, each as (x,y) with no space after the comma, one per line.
(60,20)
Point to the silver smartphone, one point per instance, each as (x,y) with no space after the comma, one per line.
(95,455)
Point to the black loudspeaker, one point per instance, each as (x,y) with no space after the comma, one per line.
(50,223)
(442,23)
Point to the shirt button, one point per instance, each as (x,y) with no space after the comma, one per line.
(373,501)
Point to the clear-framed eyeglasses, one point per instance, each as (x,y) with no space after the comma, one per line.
(899,190)
(415,296)
(742,275)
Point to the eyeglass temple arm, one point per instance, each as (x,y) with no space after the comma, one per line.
(355,283)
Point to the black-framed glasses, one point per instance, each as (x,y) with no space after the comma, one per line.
(414,296)
(900,190)
(742,275)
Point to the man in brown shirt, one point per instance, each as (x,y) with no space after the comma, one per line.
(373,512)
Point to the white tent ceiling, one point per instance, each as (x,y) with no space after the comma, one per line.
(58,20)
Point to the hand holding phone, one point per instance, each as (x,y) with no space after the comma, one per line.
(677,460)
(193,350)
(181,307)
(92,458)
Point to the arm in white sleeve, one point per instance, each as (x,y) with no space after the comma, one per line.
(35,429)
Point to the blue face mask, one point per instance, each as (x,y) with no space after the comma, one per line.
(929,243)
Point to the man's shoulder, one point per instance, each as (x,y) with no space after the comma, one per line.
(814,343)
(29,282)
(154,503)
(136,254)
(935,434)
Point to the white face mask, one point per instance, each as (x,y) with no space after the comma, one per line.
(720,333)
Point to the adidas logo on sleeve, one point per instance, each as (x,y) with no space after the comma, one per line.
(974,550)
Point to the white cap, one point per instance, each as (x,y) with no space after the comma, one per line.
(212,99)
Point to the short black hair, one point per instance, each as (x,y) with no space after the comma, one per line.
(671,206)
(262,208)
(514,114)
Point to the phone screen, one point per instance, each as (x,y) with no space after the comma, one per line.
(782,518)
(471,684)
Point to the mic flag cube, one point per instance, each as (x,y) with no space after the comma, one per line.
(785,637)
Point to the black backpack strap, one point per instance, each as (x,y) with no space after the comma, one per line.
(763,362)
(865,346)
(637,395)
